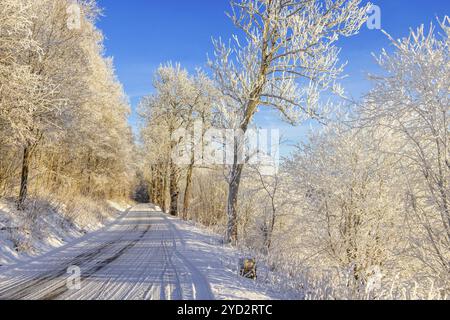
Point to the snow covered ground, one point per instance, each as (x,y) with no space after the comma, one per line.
(219,264)
(48,225)
(144,254)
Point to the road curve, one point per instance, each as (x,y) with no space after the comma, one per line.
(138,257)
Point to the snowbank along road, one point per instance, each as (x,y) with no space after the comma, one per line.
(138,257)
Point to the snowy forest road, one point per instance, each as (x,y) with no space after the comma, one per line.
(138,257)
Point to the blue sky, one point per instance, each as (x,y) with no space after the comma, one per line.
(142,34)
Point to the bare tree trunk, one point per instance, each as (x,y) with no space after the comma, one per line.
(236,171)
(271,227)
(164,192)
(233,193)
(174,191)
(24,178)
(155,186)
(187,190)
(89,177)
(151,186)
(160,190)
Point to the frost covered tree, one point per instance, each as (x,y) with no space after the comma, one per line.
(180,100)
(28,98)
(97,137)
(410,102)
(166,112)
(263,182)
(19,85)
(285,58)
(204,96)
(63,112)
(342,188)
(61,64)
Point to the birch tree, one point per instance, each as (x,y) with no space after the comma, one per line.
(285,58)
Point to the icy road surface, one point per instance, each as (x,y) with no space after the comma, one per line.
(144,255)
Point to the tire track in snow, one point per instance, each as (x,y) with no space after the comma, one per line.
(138,257)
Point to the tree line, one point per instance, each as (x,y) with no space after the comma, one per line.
(63,113)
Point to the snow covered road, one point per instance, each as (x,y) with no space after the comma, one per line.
(139,257)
